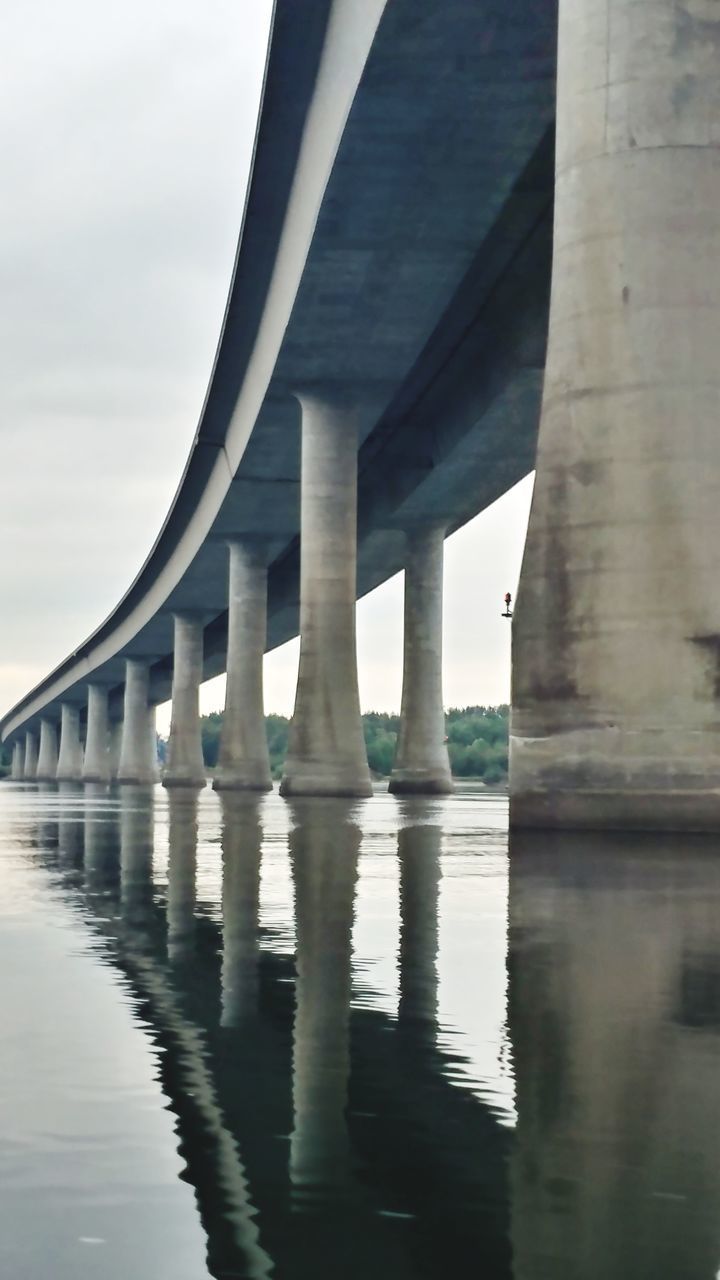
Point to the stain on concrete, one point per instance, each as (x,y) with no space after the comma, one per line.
(683,92)
(711,644)
(697,25)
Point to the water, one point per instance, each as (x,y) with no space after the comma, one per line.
(352,1040)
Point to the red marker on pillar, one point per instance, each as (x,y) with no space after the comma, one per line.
(508,602)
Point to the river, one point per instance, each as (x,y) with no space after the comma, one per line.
(324,1039)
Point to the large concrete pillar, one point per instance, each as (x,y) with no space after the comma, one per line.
(421,762)
(616,646)
(138,758)
(97,759)
(326,753)
(47,761)
(30,757)
(185,767)
(70,755)
(244,762)
(18,760)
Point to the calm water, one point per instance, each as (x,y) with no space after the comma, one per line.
(352,1040)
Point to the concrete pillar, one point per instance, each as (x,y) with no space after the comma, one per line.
(30,758)
(115,735)
(185,767)
(47,762)
(616,644)
(244,763)
(97,759)
(182,867)
(18,760)
(70,756)
(421,762)
(138,756)
(241,854)
(326,753)
(324,847)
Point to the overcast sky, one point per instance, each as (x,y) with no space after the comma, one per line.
(125,136)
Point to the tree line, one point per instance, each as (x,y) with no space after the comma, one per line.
(477,739)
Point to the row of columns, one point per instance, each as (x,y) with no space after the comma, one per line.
(326,754)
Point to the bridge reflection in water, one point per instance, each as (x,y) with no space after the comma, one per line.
(326,1136)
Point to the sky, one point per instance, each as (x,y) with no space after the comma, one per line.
(125,140)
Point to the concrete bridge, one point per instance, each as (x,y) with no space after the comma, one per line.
(379,381)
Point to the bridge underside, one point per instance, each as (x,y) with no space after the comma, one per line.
(423,299)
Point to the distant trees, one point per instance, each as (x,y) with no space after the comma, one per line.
(477,741)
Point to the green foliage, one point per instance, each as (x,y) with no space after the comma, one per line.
(477,741)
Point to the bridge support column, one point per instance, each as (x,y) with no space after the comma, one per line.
(138,758)
(47,762)
(421,765)
(115,736)
(185,767)
(30,758)
(18,756)
(97,759)
(70,756)
(326,753)
(616,644)
(244,763)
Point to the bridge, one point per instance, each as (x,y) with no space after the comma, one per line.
(379,381)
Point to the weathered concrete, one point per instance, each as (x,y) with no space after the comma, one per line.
(30,759)
(185,766)
(326,754)
(70,755)
(138,755)
(421,761)
(616,646)
(96,767)
(18,754)
(47,761)
(244,762)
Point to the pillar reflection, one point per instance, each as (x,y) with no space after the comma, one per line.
(102,841)
(182,869)
(419,857)
(71,823)
(241,853)
(324,846)
(614,1014)
(137,819)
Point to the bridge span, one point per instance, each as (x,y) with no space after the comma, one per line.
(379,381)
